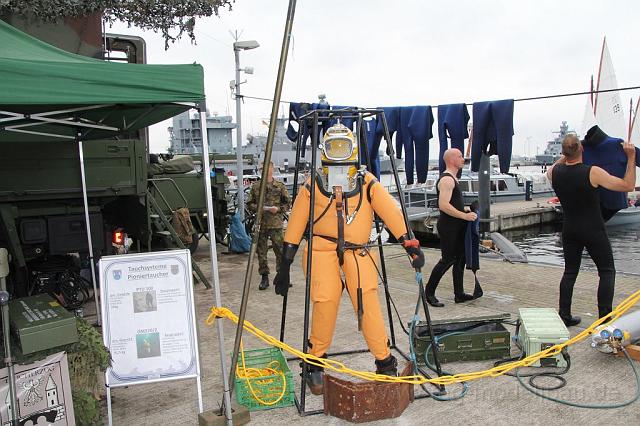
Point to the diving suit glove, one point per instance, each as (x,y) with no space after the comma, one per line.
(412,247)
(282,279)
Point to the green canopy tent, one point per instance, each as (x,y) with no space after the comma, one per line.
(48,94)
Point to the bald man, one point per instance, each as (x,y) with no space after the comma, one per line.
(452,225)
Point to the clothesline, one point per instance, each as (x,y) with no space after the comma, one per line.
(534,98)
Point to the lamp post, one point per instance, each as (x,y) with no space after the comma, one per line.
(237,47)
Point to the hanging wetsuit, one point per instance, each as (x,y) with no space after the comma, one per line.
(606,152)
(347,122)
(472,249)
(297,110)
(392,115)
(492,132)
(451,231)
(370,129)
(414,132)
(452,121)
(582,227)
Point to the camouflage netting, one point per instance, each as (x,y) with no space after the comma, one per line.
(172,18)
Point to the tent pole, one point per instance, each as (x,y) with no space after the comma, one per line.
(88,223)
(206,171)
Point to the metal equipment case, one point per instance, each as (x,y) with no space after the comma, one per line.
(39,323)
(466,339)
(540,329)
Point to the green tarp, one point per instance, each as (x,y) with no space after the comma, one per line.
(36,77)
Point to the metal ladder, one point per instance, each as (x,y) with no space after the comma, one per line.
(160,225)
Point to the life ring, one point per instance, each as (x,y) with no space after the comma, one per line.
(553,200)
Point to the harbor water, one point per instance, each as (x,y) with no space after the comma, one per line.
(543,245)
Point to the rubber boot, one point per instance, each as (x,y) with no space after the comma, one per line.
(568,319)
(264,284)
(387,366)
(315,378)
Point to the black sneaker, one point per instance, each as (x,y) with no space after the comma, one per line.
(264,284)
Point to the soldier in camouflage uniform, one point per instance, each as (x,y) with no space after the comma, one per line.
(276,203)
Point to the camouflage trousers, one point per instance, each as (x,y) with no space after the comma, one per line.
(277,238)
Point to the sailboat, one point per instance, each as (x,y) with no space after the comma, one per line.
(605,109)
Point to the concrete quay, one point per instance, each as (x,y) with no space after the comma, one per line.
(504,216)
(594,378)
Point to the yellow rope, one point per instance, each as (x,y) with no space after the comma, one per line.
(339,367)
(250,374)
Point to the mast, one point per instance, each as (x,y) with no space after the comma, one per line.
(604,45)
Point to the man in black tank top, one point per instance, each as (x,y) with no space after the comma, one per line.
(452,225)
(576,185)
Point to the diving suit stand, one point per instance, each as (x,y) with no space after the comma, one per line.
(312,121)
(6,331)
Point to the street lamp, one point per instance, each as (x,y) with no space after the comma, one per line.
(237,47)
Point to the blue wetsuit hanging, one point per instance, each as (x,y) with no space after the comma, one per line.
(472,250)
(492,132)
(414,132)
(606,152)
(348,122)
(392,115)
(370,127)
(452,122)
(297,110)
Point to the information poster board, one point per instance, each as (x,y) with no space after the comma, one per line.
(148,317)
(43,392)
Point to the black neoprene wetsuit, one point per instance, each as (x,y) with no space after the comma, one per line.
(451,231)
(582,227)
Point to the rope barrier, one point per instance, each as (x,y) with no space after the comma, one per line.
(333,365)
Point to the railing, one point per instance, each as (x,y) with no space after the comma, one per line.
(184,199)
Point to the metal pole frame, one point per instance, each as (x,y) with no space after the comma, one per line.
(296,175)
(206,172)
(263,182)
(315,117)
(239,165)
(85,201)
(6,332)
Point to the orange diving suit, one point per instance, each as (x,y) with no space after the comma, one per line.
(341,231)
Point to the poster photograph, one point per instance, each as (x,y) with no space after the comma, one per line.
(148,317)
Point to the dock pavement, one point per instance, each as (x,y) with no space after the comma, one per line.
(594,378)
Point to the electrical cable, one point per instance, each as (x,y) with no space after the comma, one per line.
(59,276)
(465,385)
(592,406)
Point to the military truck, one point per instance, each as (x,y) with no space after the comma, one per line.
(42,214)
(42,219)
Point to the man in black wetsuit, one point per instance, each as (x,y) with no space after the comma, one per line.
(576,186)
(452,225)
